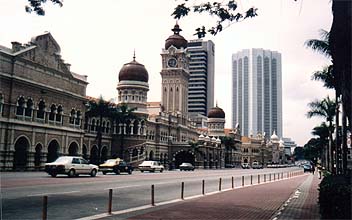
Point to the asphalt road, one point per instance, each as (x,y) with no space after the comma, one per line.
(72,198)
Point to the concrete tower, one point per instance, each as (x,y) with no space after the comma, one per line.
(257,91)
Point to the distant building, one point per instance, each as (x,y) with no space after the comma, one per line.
(201,81)
(290,146)
(257,91)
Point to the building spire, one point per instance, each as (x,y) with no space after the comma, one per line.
(134,54)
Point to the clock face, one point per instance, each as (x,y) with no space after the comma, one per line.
(172,62)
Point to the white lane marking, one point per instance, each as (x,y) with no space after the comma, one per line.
(122,187)
(55,193)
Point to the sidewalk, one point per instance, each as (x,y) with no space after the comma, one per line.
(264,201)
(303,204)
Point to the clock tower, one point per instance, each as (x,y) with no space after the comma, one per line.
(175,74)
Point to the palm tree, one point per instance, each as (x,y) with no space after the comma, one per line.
(322,142)
(320,45)
(326,109)
(101,109)
(123,114)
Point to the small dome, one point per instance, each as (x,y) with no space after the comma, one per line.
(216,112)
(133,71)
(274,136)
(176,39)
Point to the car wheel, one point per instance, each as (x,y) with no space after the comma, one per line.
(130,172)
(142,171)
(161,170)
(53,174)
(93,173)
(153,170)
(117,171)
(71,173)
(104,172)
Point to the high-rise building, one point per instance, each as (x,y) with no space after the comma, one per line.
(257,92)
(201,82)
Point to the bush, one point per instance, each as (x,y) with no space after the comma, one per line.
(335,197)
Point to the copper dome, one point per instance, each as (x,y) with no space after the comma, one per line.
(133,71)
(216,112)
(176,39)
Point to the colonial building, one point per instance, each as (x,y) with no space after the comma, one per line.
(42,105)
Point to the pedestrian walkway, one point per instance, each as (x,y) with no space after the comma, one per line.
(303,204)
(253,202)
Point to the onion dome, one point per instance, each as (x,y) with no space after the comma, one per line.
(133,71)
(213,139)
(176,39)
(216,112)
(201,137)
(274,137)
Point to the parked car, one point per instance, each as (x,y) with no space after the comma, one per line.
(71,166)
(115,166)
(307,168)
(257,165)
(151,166)
(245,165)
(186,166)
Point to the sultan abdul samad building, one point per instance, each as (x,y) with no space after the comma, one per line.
(43,105)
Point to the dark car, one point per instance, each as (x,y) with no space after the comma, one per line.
(186,166)
(307,168)
(115,166)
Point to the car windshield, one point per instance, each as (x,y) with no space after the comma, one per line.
(63,160)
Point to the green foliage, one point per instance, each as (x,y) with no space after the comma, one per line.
(320,45)
(222,11)
(335,197)
(325,108)
(37,6)
(298,153)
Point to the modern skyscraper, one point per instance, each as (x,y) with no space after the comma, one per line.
(201,82)
(257,91)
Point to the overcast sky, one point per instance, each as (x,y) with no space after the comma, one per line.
(98,37)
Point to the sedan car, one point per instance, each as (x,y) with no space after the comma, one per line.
(307,168)
(71,166)
(151,166)
(186,166)
(245,166)
(115,166)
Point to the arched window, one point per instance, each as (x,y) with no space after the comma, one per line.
(92,125)
(29,108)
(41,110)
(20,106)
(103,127)
(107,127)
(97,125)
(72,116)
(59,113)
(78,118)
(52,112)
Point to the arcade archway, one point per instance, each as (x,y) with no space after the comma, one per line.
(20,155)
(53,151)
(183,157)
(73,149)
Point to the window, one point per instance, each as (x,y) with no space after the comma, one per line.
(92,126)
(78,118)
(29,108)
(75,161)
(20,106)
(59,114)
(41,110)
(52,112)
(72,116)
(107,127)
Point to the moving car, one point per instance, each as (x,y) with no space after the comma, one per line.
(151,166)
(71,166)
(186,166)
(115,166)
(307,168)
(245,165)
(257,165)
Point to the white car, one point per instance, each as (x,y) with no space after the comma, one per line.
(151,166)
(71,166)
